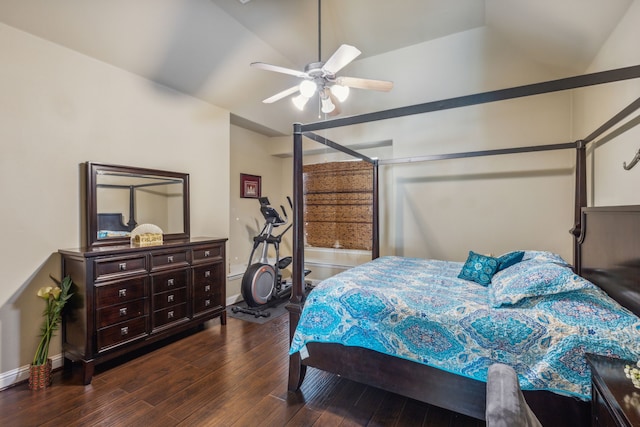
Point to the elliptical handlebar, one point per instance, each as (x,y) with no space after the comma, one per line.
(271,215)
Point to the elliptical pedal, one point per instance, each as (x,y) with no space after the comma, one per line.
(256,312)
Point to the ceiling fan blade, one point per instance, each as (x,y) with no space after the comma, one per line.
(340,58)
(278,96)
(278,69)
(358,83)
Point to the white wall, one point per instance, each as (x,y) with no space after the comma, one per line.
(609,183)
(59,109)
(250,155)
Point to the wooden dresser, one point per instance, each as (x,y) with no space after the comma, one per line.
(128,297)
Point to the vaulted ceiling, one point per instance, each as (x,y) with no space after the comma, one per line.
(204,47)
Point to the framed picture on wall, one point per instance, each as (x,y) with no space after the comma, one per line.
(250,186)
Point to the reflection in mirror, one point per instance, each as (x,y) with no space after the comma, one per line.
(120,198)
(123,199)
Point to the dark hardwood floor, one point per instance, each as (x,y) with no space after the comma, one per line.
(235,375)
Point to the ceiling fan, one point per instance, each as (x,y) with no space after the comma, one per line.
(321,77)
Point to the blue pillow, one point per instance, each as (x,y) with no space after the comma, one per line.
(479,268)
(544,256)
(533,279)
(509,259)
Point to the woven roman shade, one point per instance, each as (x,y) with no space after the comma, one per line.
(338,205)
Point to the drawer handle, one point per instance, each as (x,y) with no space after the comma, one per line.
(207,273)
(170,282)
(170,259)
(170,298)
(207,302)
(123,311)
(207,253)
(170,315)
(122,266)
(122,293)
(207,288)
(124,331)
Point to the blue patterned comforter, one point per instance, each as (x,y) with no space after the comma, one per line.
(419,310)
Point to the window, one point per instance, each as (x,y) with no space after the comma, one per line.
(338,200)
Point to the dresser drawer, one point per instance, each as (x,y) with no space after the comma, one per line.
(121,291)
(169,315)
(122,332)
(168,281)
(208,274)
(207,303)
(205,290)
(169,298)
(109,268)
(208,253)
(121,312)
(169,260)
(208,282)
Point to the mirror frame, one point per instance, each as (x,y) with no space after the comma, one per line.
(92,171)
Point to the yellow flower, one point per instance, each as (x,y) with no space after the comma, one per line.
(44,292)
(55,299)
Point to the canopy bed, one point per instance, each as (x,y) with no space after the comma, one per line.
(606,253)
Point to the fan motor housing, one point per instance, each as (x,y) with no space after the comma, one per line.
(315,70)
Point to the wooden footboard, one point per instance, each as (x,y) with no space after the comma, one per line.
(400,376)
(426,384)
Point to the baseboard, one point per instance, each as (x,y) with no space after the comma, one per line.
(234,299)
(18,375)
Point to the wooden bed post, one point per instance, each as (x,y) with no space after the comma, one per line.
(580,199)
(296,370)
(375,232)
(297,294)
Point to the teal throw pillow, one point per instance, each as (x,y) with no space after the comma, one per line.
(479,268)
(509,259)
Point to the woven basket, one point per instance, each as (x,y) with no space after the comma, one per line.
(40,376)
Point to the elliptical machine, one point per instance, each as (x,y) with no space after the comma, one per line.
(262,284)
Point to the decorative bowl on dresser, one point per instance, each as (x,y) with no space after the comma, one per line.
(127,296)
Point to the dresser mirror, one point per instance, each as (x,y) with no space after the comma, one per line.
(119,198)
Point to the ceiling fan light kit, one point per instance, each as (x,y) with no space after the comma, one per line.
(327,105)
(340,92)
(321,77)
(299,101)
(307,88)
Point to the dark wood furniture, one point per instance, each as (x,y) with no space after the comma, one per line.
(420,381)
(140,195)
(126,297)
(615,401)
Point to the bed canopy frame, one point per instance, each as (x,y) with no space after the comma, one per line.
(409,378)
